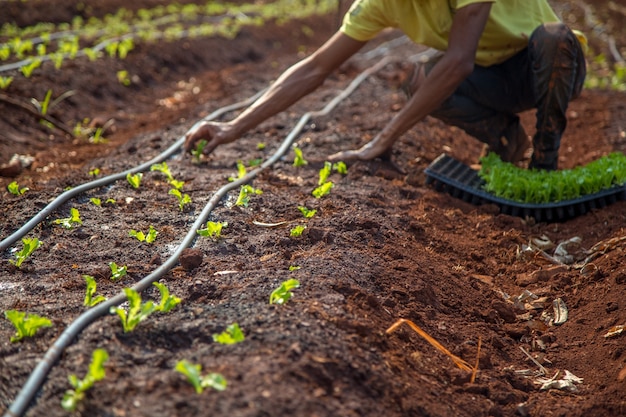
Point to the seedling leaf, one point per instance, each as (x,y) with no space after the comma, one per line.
(70,222)
(168,301)
(137,311)
(213,229)
(15,189)
(96,201)
(298,160)
(192,372)
(30,245)
(197,152)
(244,194)
(25,324)
(322,190)
(117,272)
(90,300)
(183,199)
(324,173)
(297,231)
(283,293)
(230,336)
(134,180)
(96,373)
(307,213)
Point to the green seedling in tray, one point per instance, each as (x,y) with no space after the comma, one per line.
(90,298)
(25,324)
(230,336)
(508,181)
(96,373)
(213,229)
(70,222)
(199,382)
(30,245)
(283,293)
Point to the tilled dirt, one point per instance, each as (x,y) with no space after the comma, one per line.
(381,247)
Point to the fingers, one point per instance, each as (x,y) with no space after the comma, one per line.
(345,156)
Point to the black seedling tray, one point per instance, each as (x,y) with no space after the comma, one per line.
(449,175)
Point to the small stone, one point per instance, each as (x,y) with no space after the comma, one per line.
(191,258)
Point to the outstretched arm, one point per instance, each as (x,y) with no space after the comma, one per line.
(296,82)
(456,64)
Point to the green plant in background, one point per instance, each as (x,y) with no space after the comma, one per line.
(230,336)
(213,229)
(90,299)
(15,189)
(25,324)
(70,222)
(283,293)
(137,312)
(134,179)
(298,160)
(322,190)
(30,245)
(117,272)
(168,301)
(241,171)
(340,167)
(5,82)
(508,181)
(198,150)
(244,195)
(96,372)
(142,237)
(96,201)
(94,172)
(324,173)
(307,213)
(297,231)
(199,382)
(183,199)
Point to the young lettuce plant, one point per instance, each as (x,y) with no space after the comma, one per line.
(90,299)
(183,198)
(96,372)
(283,293)
(322,190)
(298,160)
(30,245)
(213,229)
(164,169)
(168,301)
(25,324)
(244,195)
(199,382)
(307,213)
(137,311)
(230,336)
(15,189)
(297,231)
(142,237)
(197,152)
(117,272)
(5,82)
(134,179)
(241,172)
(70,222)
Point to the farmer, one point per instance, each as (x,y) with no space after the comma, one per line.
(499,57)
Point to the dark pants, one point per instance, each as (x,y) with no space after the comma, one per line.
(546,76)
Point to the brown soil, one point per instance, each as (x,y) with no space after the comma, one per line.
(382,246)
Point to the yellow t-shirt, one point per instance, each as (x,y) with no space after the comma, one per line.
(428,22)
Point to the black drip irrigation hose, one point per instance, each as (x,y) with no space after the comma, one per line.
(42,369)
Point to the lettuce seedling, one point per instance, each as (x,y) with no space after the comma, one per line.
(283,293)
(5,82)
(140,236)
(323,189)
(260,146)
(90,300)
(199,149)
(183,199)
(244,193)
(168,301)
(30,245)
(241,172)
(117,272)
(137,311)
(96,373)
(324,173)
(298,160)
(340,167)
(134,180)
(307,213)
(15,189)
(96,201)
(25,324)
(70,222)
(213,229)
(94,172)
(230,336)
(294,267)
(164,169)
(199,382)
(297,231)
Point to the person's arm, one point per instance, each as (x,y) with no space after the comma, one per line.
(456,64)
(296,82)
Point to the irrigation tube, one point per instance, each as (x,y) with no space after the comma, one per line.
(63,197)
(40,372)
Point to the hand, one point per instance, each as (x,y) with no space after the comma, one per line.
(364,153)
(215,133)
